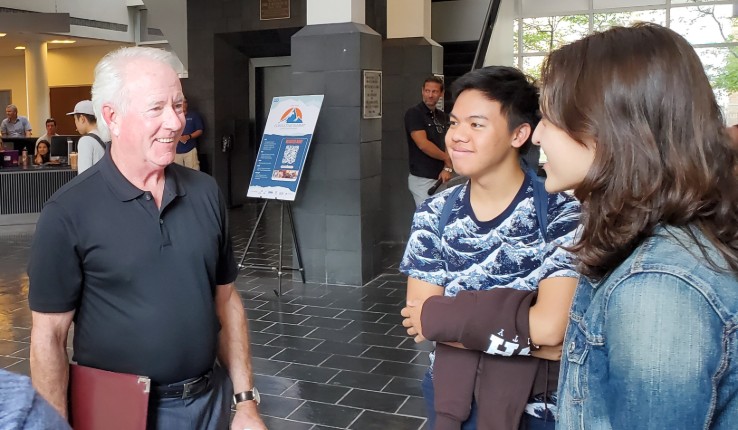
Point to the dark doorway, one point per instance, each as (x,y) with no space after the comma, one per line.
(271,77)
(238,56)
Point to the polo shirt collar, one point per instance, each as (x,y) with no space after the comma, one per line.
(124,190)
(425,108)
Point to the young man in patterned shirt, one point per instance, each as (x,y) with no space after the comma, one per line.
(491,237)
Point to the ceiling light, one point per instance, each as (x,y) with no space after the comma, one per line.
(63,41)
(3,34)
(20,47)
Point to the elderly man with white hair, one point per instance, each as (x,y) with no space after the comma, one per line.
(136,250)
(14,125)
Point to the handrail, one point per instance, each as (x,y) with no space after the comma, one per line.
(484,38)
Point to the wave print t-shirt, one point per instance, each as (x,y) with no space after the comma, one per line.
(508,251)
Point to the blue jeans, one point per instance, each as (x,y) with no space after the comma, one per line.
(526,423)
(208,411)
(429,396)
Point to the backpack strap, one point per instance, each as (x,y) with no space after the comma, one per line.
(540,203)
(100,141)
(448,206)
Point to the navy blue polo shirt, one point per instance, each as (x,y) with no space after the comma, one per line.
(435,125)
(141,279)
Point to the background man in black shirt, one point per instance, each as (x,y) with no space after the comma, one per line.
(425,129)
(136,250)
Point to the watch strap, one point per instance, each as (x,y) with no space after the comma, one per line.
(243,396)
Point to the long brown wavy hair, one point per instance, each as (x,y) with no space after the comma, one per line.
(662,155)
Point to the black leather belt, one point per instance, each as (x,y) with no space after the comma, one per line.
(188,388)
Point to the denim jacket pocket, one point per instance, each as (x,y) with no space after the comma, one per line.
(577,351)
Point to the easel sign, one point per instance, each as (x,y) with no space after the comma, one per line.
(284,147)
(279,165)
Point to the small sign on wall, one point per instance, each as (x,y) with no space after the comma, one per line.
(274,9)
(372,94)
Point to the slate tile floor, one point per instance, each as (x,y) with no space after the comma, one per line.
(324,356)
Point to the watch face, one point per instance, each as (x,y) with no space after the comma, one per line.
(257,397)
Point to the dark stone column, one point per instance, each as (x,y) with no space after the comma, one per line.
(407,62)
(337,209)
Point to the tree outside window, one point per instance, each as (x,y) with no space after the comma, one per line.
(708,25)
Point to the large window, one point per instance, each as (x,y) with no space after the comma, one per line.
(709,25)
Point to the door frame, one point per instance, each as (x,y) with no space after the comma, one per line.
(255,63)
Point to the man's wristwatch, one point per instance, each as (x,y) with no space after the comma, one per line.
(246,396)
(448,169)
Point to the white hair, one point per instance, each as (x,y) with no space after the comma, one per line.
(110,85)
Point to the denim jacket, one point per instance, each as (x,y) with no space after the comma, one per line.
(21,408)
(654,345)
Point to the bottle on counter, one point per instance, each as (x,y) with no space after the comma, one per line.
(70,147)
(25,161)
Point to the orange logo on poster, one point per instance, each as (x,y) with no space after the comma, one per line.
(292,115)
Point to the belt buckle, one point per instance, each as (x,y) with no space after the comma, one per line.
(188,386)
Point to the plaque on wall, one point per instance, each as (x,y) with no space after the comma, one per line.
(372,94)
(274,9)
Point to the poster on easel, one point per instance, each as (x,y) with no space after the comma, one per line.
(284,147)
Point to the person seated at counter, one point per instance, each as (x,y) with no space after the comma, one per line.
(43,154)
(14,125)
(50,131)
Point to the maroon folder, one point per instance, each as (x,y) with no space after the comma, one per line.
(99,399)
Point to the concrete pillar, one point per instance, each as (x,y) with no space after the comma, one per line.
(409,55)
(337,210)
(408,18)
(37,86)
(335,11)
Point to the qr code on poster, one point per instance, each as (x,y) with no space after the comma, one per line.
(290,154)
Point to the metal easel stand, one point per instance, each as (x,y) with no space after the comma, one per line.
(280,268)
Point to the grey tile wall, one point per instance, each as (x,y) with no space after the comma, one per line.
(371,158)
(344,171)
(344,233)
(407,62)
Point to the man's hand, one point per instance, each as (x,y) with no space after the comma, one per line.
(552,353)
(412,319)
(182,138)
(247,417)
(234,353)
(445,176)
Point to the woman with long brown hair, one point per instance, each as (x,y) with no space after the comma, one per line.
(630,123)
(43,155)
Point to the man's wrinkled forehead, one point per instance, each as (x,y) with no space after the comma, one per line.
(150,80)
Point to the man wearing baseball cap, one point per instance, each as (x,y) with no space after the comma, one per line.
(90,147)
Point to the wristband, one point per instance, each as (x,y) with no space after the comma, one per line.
(246,396)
